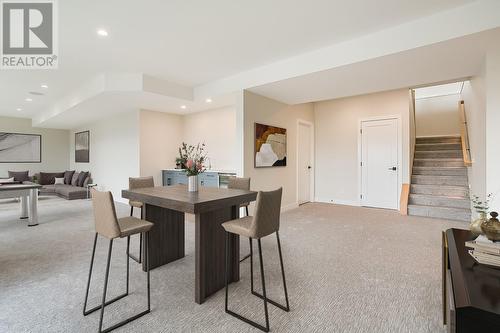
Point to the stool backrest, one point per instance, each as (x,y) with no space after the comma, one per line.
(266,218)
(239,183)
(106,222)
(140,182)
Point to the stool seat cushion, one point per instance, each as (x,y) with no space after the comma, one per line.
(132,225)
(136,204)
(239,226)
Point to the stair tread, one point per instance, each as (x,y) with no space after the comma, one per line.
(451,159)
(447,186)
(450,197)
(441,207)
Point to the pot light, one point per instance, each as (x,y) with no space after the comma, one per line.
(208,100)
(44,86)
(19,109)
(102,32)
(183,107)
(28,99)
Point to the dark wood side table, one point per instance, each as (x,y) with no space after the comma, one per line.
(471,292)
(165,207)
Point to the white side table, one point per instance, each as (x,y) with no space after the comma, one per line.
(89,186)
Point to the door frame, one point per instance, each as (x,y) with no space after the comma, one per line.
(313,159)
(400,153)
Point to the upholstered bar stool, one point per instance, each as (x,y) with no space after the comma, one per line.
(266,221)
(135,183)
(111,227)
(241,184)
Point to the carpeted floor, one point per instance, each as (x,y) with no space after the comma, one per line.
(348,270)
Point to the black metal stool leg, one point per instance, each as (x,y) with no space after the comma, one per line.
(90,276)
(147,269)
(226,274)
(105,284)
(134,258)
(284,308)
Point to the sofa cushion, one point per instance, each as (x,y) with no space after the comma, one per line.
(47,178)
(74,179)
(81,178)
(68,176)
(71,192)
(48,189)
(19,176)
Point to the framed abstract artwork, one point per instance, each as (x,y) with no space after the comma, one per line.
(270,146)
(20,148)
(82,147)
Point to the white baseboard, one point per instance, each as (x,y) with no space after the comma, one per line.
(338,202)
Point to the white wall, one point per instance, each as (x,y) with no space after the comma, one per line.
(160,137)
(217,129)
(437,116)
(55,147)
(337,129)
(270,112)
(474,97)
(114,152)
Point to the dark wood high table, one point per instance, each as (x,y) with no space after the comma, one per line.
(471,291)
(165,207)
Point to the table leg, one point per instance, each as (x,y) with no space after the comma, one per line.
(24,206)
(166,238)
(209,252)
(33,202)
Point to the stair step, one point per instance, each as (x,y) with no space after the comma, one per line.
(439,139)
(438,154)
(439,201)
(438,162)
(439,180)
(440,171)
(443,190)
(449,213)
(437,146)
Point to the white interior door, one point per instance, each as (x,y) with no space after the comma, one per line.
(379,164)
(304,158)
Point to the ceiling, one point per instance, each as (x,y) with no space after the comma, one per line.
(192,43)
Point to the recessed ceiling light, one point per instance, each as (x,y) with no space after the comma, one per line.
(28,99)
(19,109)
(102,32)
(208,100)
(183,106)
(44,86)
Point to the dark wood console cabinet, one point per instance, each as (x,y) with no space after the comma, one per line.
(471,292)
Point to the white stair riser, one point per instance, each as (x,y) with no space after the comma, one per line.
(438,163)
(439,180)
(438,146)
(441,139)
(456,214)
(440,190)
(436,171)
(432,200)
(439,154)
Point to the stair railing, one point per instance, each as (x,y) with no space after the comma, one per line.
(464,134)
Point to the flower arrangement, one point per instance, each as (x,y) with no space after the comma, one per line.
(192,158)
(481,207)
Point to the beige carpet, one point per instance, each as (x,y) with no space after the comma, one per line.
(348,270)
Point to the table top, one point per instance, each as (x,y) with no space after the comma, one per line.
(23,186)
(178,198)
(475,285)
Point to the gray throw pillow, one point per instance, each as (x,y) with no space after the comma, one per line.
(81,178)
(68,176)
(19,176)
(74,180)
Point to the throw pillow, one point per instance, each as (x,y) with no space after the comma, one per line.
(47,178)
(68,176)
(81,178)
(59,181)
(74,180)
(19,176)
(6,180)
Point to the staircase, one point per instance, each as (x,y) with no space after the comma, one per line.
(439,185)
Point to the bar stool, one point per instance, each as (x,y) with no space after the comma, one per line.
(265,222)
(240,184)
(135,183)
(111,227)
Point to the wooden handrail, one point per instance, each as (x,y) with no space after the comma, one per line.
(464,135)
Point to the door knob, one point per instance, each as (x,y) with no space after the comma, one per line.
(309,167)
(393,168)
